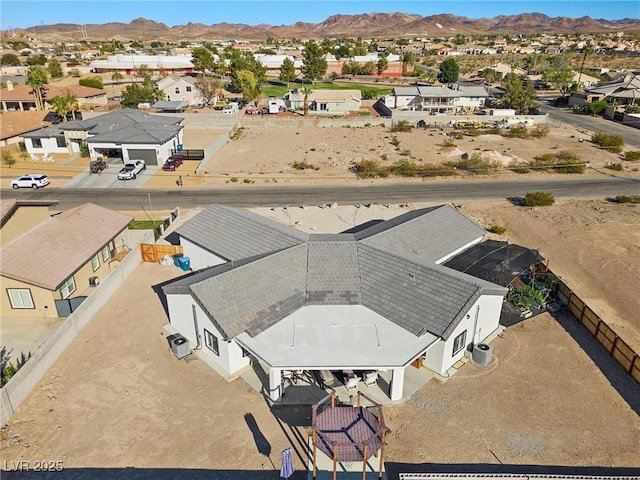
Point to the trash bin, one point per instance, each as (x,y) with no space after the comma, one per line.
(176,259)
(185,263)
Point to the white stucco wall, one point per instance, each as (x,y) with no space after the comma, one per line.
(181,315)
(439,358)
(49,145)
(200,258)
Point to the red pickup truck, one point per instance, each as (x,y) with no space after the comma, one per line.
(173,162)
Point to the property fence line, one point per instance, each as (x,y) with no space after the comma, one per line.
(20,385)
(626,356)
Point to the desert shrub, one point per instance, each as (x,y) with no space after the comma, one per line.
(233,179)
(561,162)
(477,164)
(613,143)
(304,165)
(498,229)
(405,168)
(519,167)
(369,169)
(632,108)
(540,131)
(247,180)
(448,142)
(615,166)
(9,369)
(405,152)
(627,199)
(8,159)
(632,155)
(437,171)
(538,199)
(74,72)
(394,141)
(401,126)
(516,131)
(84,149)
(458,136)
(384,157)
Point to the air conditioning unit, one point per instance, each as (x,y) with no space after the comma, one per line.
(94,281)
(482,353)
(179,346)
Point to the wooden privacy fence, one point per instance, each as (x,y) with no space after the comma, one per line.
(155,253)
(608,338)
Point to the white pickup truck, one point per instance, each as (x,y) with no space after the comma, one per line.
(131,169)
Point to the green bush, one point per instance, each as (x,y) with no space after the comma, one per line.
(303,165)
(84,149)
(9,369)
(437,171)
(233,179)
(394,141)
(540,131)
(615,166)
(401,126)
(612,143)
(538,199)
(632,155)
(627,199)
(405,168)
(498,229)
(369,169)
(448,142)
(247,180)
(516,132)
(94,82)
(8,159)
(519,167)
(477,164)
(561,162)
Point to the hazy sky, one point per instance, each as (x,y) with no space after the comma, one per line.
(28,13)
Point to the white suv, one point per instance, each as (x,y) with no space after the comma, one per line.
(131,169)
(31,180)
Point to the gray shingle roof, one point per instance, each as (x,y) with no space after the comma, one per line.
(343,269)
(234,234)
(427,234)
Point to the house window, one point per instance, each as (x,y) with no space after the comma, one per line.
(459,342)
(188,88)
(20,297)
(211,341)
(36,143)
(68,287)
(177,90)
(95,263)
(106,255)
(323,107)
(61,142)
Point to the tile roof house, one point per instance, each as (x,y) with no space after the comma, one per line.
(60,258)
(22,98)
(376,299)
(438,100)
(131,133)
(326,102)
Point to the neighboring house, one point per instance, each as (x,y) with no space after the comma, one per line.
(61,258)
(438,100)
(326,102)
(503,69)
(156,64)
(377,299)
(183,89)
(623,91)
(21,97)
(13,125)
(128,133)
(274,62)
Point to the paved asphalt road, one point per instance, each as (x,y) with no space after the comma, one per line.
(600,186)
(630,135)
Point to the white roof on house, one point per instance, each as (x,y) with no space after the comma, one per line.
(336,336)
(275,61)
(152,61)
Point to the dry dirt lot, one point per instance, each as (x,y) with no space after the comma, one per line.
(116,398)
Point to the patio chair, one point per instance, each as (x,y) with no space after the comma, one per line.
(370,378)
(34,158)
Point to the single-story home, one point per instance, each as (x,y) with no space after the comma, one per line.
(21,97)
(54,265)
(184,89)
(438,100)
(127,133)
(156,64)
(377,299)
(624,91)
(325,102)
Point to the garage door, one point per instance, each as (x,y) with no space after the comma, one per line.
(149,156)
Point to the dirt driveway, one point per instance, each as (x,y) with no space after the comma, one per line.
(117,404)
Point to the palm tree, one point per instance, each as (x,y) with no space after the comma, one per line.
(60,105)
(586,50)
(37,79)
(72,104)
(306,91)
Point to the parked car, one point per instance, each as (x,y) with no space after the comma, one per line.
(31,180)
(264,111)
(252,110)
(131,169)
(97,166)
(173,162)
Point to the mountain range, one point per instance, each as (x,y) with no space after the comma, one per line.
(370,25)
